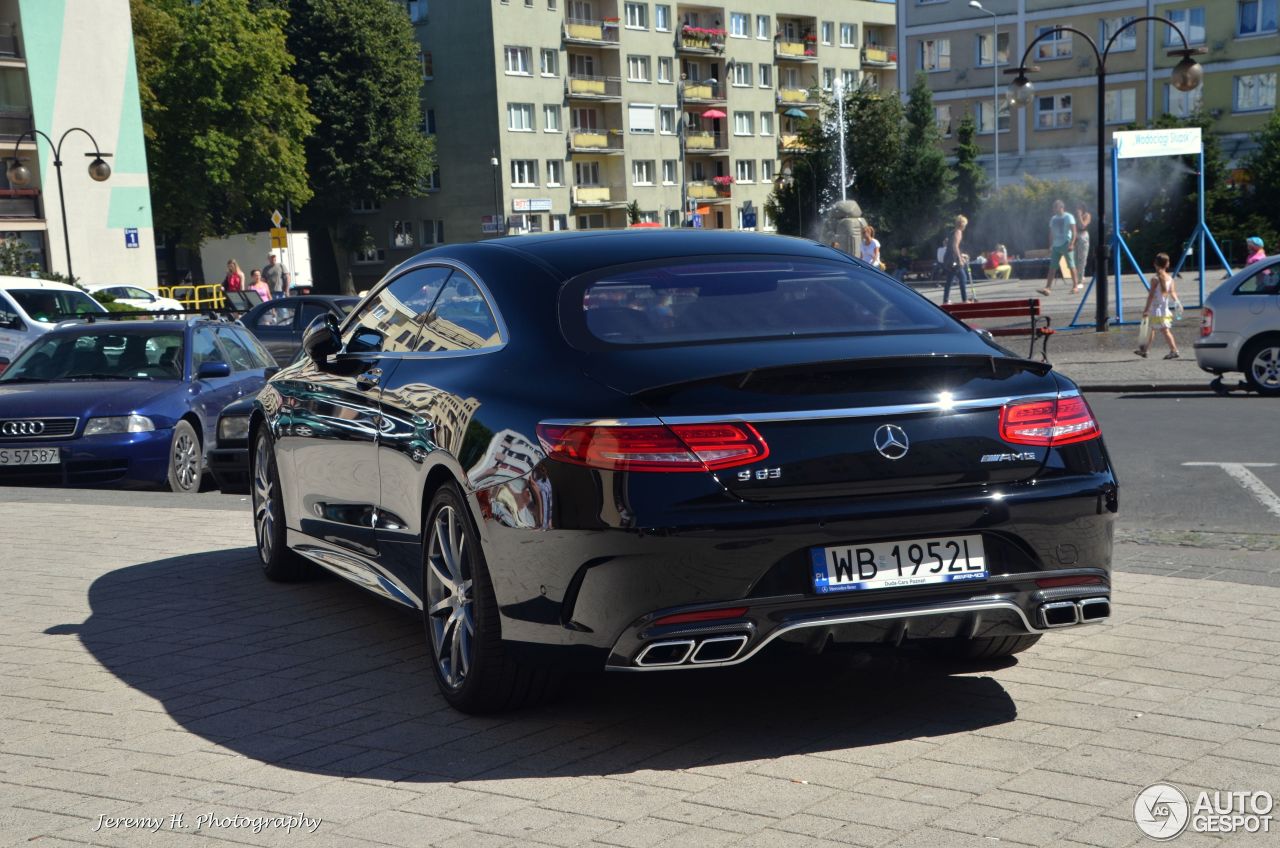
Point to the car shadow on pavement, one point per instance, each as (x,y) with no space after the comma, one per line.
(322,677)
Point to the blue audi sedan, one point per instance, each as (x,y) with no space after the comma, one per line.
(123,403)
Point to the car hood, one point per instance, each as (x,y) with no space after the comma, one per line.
(86,398)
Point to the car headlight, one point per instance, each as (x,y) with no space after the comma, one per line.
(233,428)
(119,424)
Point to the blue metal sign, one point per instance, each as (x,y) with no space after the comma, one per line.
(131,237)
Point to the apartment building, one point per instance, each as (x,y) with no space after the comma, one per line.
(64,64)
(960,49)
(558,114)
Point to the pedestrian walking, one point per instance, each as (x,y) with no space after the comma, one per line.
(260,286)
(871,247)
(956,263)
(1255,251)
(234,280)
(1083,220)
(1062,243)
(276,275)
(1162,302)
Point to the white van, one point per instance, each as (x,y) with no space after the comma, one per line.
(29,308)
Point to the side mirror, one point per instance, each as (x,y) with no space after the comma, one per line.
(268,373)
(321,339)
(213,370)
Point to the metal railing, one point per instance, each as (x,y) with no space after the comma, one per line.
(9,40)
(704,140)
(595,32)
(14,122)
(595,139)
(797,50)
(593,87)
(19,203)
(696,91)
(208,296)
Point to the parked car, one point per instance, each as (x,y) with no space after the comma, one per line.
(1240,327)
(123,402)
(229,457)
(279,323)
(669,449)
(139,298)
(30,307)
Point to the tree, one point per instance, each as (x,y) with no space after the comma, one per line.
(223,118)
(922,189)
(1258,216)
(971,178)
(873,137)
(362,66)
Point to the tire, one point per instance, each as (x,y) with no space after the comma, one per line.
(1260,362)
(987,647)
(279,563)
(473,667)
(186,459)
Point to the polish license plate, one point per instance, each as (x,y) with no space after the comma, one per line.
(29,456)
(894,565)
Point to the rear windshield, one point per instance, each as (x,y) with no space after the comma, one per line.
(741,300)
(52,304)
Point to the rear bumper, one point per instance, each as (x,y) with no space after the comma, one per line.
(1219,352)
(116,459)
(230,467)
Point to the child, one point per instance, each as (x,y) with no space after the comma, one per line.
(1161,300)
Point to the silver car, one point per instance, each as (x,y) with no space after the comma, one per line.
(1240,327)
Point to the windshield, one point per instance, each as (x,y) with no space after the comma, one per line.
(743,300)
(50,305)
(134,355)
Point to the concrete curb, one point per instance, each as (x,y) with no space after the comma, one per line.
(1124,388)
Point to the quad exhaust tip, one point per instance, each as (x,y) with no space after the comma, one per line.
(673,652)
(1067,613)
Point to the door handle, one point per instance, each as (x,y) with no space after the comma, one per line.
(369,379)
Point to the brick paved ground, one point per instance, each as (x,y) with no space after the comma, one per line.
(146,669)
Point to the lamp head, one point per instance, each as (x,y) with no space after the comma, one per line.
(1187,74)
(19,174)
(1021,90)
(99,170)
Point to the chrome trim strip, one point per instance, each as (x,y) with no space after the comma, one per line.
(354,570)
(968,405)
(947,609)
(688,649)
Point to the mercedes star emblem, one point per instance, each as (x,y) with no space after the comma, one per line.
(891,441)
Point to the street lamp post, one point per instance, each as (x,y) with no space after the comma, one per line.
(20,175)
(995,83)
(498,223)
(1186,76)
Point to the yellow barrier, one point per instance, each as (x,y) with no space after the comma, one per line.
(196,297)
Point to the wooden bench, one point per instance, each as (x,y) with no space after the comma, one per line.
(1038,328)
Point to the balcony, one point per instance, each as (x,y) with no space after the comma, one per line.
(595,141)
(705,141)
(879,57)
(701,40)
(594,88)
(795,51)
(703,92)
(709,190)
(802,97)
(19,203)
(9,40)
(791,141)
(598,196)
(14,122)
(593,33)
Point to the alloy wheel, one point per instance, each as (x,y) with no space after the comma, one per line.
(264,489)
(186,459)
(450,599)
(1266,367)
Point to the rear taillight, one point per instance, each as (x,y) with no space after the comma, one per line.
(1206,322)
(678,447)
(1057,421)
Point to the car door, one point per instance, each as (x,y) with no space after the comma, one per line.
(334,417)
(429,405)
(274,326)
(210,394)
(14,333)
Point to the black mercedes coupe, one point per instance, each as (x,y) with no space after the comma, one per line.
(664,450)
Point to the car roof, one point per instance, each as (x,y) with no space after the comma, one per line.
(111,326)
(7,283)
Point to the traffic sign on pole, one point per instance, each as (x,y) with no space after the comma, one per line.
(279,237)
(276,219)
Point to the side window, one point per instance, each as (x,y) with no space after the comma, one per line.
(310,311)
(261,356)
(239,356)
(276,316)
(205,349)
(461,319)
(389,321)
(1266,281)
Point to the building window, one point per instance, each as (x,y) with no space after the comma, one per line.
(763,31)
(520,117)
(433,181)
(744,170)
(555,172)
(550,63)
(638,68)
(739,25)
(828,79)
(1255,92)
(942,118)
(668,171)
(766,75)
(1182,104)
(1121,105)
(848,35)
(518,60)
(591,222)
(417,10)
(1107,27)
(766,123)
(849,79)
(428,66)
(637,15)
(1257,16)
(742,123)
(662,18)
(985,108)
(551,117)
(640,118)
(1190,21)
(402,234)
(828,31)
(642,172)
(551,5)
(585,120)
(369,255)
(766,170)
(667,120)
(429,122)
(671,217)
(984,49)
(586,173)
(524,172)
(365,206)
(935,54)
(582,65)
(1053,111)
(664,69)
(432,231)
(559,223)
(1055,46)
(742,74)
